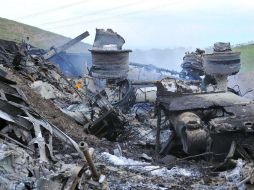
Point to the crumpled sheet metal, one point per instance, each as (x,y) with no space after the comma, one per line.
(171,87)
(222,47)
(193,60)
(49,82)
(107,37)
(13,159)
(22,125)
(192,66)
(24,116)
(7,51)
(19,170)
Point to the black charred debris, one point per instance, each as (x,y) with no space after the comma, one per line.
(185,117)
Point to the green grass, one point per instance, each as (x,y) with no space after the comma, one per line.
(15,31)
(247,57)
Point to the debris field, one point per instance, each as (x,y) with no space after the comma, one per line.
(111,129)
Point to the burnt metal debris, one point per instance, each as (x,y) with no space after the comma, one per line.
(110,65)
(111,121)
(65,46)
(192,66)
(153,121)
(52,84)
(207,121)
(109,60)
(221,64)
(28,159)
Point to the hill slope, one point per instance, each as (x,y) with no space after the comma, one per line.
(15,31)
(247,57)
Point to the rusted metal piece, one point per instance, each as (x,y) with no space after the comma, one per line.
(78,177)
(84,147)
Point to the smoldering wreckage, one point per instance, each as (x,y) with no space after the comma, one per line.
(110,129)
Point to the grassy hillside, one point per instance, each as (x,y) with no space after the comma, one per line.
(11,30)
(247,57)
(15,31)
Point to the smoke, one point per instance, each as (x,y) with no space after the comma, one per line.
(165,58)
(171,59)
(74,61)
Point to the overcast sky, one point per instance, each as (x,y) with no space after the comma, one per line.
(143,23)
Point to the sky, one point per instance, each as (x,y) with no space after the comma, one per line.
(144,24)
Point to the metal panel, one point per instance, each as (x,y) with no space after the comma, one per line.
(202,101)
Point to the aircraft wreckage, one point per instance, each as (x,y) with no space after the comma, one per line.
(192,113)
(214,120)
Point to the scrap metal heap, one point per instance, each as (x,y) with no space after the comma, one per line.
(110,65)
(32,149)
(202,117)
(28,147)
(219,122)
(88,106)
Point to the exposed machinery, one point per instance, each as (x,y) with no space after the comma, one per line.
(202,121)
(109,60)
(221,64)
(110,65)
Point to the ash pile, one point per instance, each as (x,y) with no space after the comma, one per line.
(184,131)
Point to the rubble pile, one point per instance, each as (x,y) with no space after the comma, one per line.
(31,157)
(172,133)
